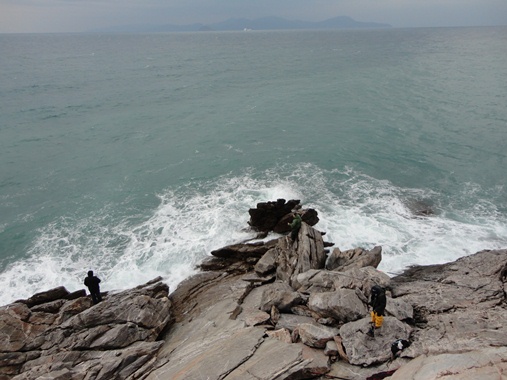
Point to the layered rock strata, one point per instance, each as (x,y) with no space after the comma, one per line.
(276,310)
(54,335)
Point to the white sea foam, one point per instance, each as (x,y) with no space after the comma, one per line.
(191,221)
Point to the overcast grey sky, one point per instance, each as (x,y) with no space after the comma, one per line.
(81,15)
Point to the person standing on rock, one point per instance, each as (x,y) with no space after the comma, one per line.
(295,226)
(92,282)
(378,303)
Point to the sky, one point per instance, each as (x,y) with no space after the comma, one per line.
(49,16)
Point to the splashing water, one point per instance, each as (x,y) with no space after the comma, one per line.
(190,221)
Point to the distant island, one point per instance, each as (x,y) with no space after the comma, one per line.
(242,24)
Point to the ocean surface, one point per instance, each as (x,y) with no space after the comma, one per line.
(137,155)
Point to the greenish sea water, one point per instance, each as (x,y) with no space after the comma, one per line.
(136,155)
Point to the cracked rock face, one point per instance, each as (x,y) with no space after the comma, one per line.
(72,339)
(279,317)
(457,306)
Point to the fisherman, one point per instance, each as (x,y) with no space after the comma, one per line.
(295,227)
(378,304)
(92,282)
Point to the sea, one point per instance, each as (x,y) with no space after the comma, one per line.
(136,155)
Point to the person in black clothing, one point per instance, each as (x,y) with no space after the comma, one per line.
(378,304)
(92,282)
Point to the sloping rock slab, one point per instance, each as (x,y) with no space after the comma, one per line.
(275,360)
(244,251)
(470,280)
(211,359)
(488,363)
(461,330)
(97,365)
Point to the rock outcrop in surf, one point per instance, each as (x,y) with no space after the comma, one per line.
(277,309)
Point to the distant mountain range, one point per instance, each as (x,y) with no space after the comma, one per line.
(265,23)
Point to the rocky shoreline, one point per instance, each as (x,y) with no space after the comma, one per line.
(275,310)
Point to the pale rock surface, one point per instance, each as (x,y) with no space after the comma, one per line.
(344,305)
(280,295)
(362,349)
(282,335)
(298,257)
(267,263)
(354,258)
(485,364)
(316,336)
(292,321)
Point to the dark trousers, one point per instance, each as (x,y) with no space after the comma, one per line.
(96,297)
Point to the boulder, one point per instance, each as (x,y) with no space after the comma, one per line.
(16,332)
(331,348)
(280,295)
(309,216)
(72,308)
(354,258)
(267,263)
(47,296)
(257,318)
(304,310)
(316,281)
(344,305)
(316,336)
(282,335)
(49,307)
(233,266)
(267,214)
(365,351)
(363,279)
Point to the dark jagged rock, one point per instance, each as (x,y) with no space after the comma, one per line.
(309,216)
(243,252)
(267,214)
(420,207)
(47,296)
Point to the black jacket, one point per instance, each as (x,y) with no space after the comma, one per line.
(92,282)
(378,299)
